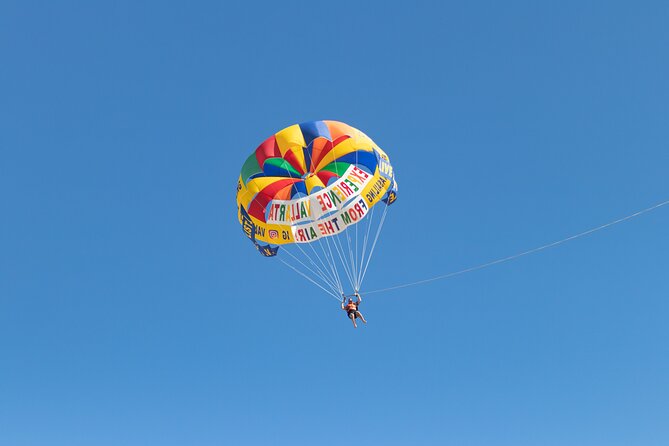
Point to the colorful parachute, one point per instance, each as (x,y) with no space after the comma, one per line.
(310,187)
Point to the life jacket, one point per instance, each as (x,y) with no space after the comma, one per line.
(352,306)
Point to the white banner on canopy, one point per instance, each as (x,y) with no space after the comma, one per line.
(333,224)
(332,198)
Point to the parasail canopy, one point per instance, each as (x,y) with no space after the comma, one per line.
(315,187)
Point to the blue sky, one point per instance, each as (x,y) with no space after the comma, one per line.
(133,310)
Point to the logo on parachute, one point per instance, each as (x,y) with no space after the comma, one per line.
(247,224)
(250,230)
(267,250)
(273,234)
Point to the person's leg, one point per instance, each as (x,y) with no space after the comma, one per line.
(352,316)
(362,318)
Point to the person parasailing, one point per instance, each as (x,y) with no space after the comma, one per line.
(351,309)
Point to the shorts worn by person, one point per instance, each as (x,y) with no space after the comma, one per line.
(351,309)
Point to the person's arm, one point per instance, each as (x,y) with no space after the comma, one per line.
(343,300)
(359,297)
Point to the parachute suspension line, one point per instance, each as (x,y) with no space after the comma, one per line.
(333,280)
(350,266)
(337,245)
(350,250)
(320,260)
(524,253)
(331,272)
(325,279)
(376,238)
(353,263)
(322,273)
(358,253)
(332,266)
(370,219)
(310,279)
(342,255)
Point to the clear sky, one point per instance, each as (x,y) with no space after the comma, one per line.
(133,311)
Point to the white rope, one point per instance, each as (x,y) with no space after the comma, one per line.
(324,274)
(331,264)
(340,251)
(370,219)
(524,253)
(350,251)
(311,246)
(376,238)
(332,285)
(309,279)
(342,255)
(334,263)
(325,261)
